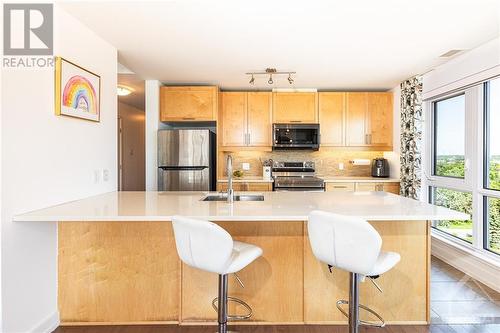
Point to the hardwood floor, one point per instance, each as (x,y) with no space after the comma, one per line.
(459,304)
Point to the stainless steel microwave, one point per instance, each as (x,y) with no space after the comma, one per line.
(295,136)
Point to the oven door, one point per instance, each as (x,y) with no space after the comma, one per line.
(296,136)
(299,189)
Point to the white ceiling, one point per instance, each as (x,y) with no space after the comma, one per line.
(355,44)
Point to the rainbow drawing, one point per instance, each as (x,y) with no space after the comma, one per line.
(80,95)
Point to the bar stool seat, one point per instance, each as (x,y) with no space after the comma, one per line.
(243,254)
(353,245)
(385,261)
(205,245)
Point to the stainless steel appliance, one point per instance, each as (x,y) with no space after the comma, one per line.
(296,176)
(380,168)
(186,160)
(295,136)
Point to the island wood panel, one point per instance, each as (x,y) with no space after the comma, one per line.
(405,297)
(118,272)
(273,283)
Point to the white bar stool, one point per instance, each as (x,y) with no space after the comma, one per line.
(206,246)
(353,245)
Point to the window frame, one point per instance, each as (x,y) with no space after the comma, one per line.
(476,108)
(434,133)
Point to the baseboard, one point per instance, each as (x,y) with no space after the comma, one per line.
(467,262)
(48,325)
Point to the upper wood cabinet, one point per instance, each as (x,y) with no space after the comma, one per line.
(331,118)
(259,118)
(188,103)
(295,107)
(245,119)
(369,119)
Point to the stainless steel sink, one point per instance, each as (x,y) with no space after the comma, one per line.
(240,197)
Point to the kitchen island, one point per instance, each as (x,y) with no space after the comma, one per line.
(118,263)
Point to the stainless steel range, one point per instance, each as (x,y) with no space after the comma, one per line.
(296,176)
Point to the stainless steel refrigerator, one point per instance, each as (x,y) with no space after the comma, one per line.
(186,160)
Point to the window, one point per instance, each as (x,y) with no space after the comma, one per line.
(492,224)
(449,137)
(463,171)
(456,200)
(492,135)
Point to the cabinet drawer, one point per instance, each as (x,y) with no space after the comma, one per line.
(257,187)
(386,187)
(339,187)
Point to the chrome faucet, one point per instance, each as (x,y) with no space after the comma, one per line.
(229,171)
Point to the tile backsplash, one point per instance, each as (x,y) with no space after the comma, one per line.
(327,162)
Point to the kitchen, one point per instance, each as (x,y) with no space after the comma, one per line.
(249,166)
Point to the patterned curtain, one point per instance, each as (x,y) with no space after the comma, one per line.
(411,137)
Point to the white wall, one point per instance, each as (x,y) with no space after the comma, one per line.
(133,147)
(46,160)
(152,96)
(471,67)
(393,156)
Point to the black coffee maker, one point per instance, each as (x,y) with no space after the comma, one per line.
(380,168)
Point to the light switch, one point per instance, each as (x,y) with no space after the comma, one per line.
(97,176)
(245,166)
(105,175)
(341,166)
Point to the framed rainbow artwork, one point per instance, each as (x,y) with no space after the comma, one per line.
(78,91)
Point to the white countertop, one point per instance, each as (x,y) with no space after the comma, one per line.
(277,206)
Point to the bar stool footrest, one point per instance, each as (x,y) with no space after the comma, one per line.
(362,322)
(236,300)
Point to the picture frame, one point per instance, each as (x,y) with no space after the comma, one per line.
(77,91)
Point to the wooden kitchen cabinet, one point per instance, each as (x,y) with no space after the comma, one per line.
(245,119)
(243,186)
(188,103)
(234,118)
(340,187)
(331,118)
(386,187)
(295,107)
(380,111)
(259,119)
(369,119)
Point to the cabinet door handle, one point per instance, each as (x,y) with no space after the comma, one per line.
(248,142)
(366,139)
(188,118)
(338,186)
(295,121)
(370,138)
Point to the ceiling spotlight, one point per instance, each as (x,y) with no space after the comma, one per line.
(123,91)
(270,71)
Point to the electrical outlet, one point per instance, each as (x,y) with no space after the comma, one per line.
(105,175)
(341,166)
(97,176)
(245,166)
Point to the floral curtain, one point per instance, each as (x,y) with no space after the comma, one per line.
(411,137)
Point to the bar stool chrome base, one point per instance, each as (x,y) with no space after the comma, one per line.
(220,305)
(353,315)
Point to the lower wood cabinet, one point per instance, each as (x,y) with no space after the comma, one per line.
(366,186)
(262,187)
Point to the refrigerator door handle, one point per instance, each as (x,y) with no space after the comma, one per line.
(194,168)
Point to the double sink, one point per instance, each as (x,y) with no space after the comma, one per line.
(238,197)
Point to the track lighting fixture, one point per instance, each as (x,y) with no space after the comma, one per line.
(270,72)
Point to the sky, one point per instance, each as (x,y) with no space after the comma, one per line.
(451,123)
